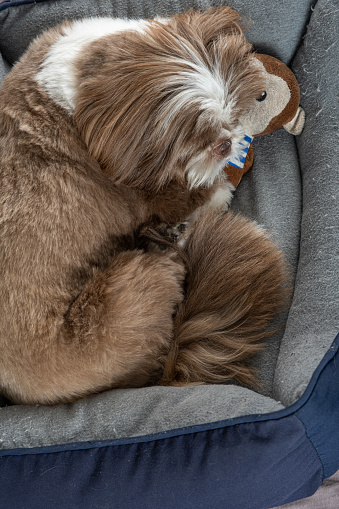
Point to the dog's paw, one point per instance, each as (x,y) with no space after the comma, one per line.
(164,236)
(222,197)
(177,234)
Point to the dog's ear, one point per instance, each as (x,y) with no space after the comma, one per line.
(211,24)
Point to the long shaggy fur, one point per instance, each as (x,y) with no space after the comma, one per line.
(168,92)
(135,138)
(236,284)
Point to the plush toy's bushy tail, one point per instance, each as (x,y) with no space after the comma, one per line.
(236,285)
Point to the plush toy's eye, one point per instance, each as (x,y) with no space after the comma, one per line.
(262,97)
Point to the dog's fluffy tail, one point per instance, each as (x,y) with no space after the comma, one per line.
(236,284)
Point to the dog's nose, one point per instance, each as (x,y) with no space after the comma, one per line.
(222,148)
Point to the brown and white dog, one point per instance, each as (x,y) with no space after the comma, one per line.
(109,127)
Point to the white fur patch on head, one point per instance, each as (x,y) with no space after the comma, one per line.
(199,85)
(57,72)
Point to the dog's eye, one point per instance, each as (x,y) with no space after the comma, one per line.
(262,97)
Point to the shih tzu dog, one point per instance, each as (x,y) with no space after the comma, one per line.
(109,130)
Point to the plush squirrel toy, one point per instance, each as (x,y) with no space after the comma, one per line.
(278,106)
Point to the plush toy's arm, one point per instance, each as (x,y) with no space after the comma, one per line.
(249,160)
(234,174)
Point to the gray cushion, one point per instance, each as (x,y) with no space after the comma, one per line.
(313,319)
(276,28)
(127,413)
(4,68)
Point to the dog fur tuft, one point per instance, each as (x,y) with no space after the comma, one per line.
(236,285)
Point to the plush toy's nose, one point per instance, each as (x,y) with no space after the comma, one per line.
(222,148)
(296,125)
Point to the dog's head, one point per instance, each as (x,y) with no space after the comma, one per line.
(163,102)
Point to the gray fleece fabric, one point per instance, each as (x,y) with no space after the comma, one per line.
(313,320)
(276,27)
(127,413)
(4,68)
(292,190)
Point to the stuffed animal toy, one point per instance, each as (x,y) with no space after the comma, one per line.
(277,107)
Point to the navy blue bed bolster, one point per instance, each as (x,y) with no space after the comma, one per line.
(253,462)
(16,3)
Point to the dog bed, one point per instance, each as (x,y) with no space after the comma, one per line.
(218,446)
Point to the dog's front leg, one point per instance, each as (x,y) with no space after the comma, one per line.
(176,202)
(220,200)
(175,206)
